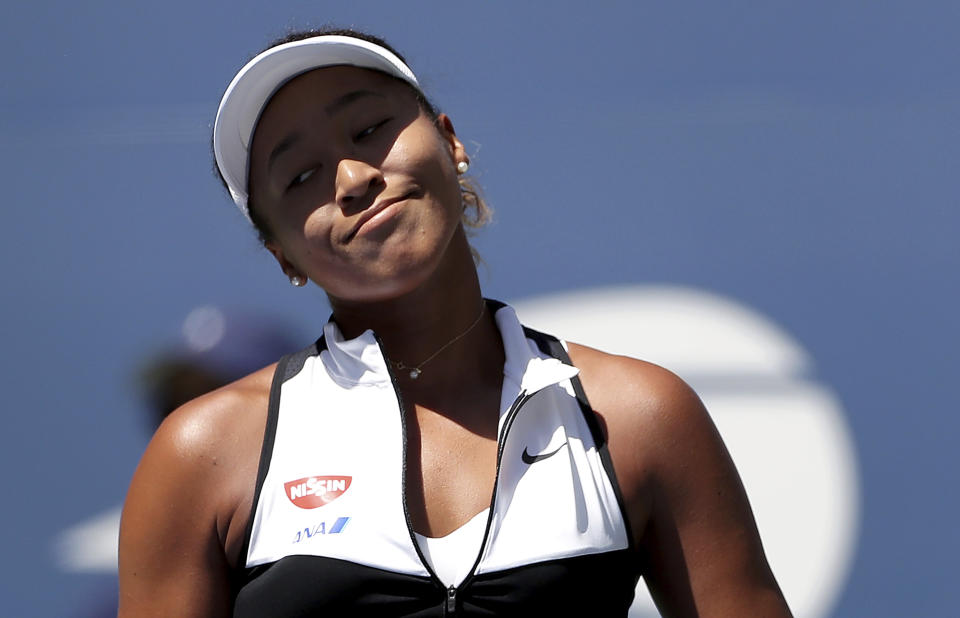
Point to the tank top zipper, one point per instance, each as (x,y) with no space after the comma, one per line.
(450,592)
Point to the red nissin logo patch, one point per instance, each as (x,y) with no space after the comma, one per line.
(314,491)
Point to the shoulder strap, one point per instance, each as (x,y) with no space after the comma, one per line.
(288,366)
(550,345)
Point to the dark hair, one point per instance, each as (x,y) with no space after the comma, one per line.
(476,213)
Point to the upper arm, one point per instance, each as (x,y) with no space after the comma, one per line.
(171,555)
(702,543)
(701,550)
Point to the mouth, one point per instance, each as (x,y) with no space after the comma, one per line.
(376,214)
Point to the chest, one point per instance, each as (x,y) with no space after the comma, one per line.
(450,470)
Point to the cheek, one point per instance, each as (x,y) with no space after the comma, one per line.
(305,239)
(422,152)
(316,230)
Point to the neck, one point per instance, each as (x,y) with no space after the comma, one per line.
(415,325)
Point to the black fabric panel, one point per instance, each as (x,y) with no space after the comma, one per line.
(494,306)
(306,586)
(296,360)
(592,585)
(302,586)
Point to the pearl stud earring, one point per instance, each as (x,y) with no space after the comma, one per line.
(297,281)
(462,167)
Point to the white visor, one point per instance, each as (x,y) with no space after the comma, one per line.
(259,80)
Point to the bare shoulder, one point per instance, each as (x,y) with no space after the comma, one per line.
(688,510)
(653,420)
(187,507)
(211,436)
(643,401)
(207,445)
(208,428)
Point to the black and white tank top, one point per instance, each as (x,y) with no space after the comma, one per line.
(330,534)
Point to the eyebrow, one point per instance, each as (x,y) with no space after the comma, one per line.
(347,99)
(331,108)
(284,145)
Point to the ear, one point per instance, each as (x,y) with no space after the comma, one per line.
(286,265)
(457,151)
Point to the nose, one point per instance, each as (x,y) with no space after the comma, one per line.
(356,180)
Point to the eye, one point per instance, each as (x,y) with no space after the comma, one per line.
(371,129)
(301,177)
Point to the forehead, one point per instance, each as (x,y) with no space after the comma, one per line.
(320,91)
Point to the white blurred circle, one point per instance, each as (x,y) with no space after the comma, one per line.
(785,431)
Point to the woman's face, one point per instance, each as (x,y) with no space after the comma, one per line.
(357,185)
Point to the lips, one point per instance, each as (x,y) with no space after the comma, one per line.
(366,218)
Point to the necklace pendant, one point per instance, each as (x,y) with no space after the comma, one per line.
(414,373)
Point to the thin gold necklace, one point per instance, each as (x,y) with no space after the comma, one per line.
(416,370)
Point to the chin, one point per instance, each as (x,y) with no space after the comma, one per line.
(381,286)
(401,266)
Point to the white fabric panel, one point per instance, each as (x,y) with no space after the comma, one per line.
(558,507)
(452,556)
(339,417)
(317,435)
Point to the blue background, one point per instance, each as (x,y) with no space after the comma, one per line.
(799,157)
